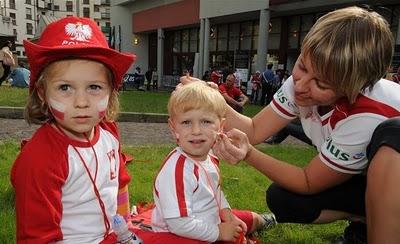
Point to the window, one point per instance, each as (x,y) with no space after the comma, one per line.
(246,31)
(28,13)
(57,7)
(185,41)
(85,1)
(274,34)
(69,6)
(29,28)
(177,42)
(28,1)
(222,37)
(307,22)
(15,33)
(96,8)
(13,18)
(294,26)
(12,4)
(86,12)
(194,37)
(234,30)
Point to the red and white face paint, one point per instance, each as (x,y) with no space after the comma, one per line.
(57,109)
(102,107)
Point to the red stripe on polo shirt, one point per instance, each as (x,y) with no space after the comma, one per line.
(339,166)
(196,174)
(180,189)
(363,104)
(280,108)
(162,165)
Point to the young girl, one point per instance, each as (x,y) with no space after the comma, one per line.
(68,177)
(190,205)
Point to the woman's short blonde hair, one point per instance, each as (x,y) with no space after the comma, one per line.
(37,110)
(196,95)
(350,48)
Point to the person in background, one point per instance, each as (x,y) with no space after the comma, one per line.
(19,76)
(7,60)
(138,79)
(255,80)
(70,177)
(206,76)
(267,81)
(154,78)
(147,75)
(233,96)
(216,76)
(352,117)
(190,204)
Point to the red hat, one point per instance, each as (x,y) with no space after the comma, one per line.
(75,37)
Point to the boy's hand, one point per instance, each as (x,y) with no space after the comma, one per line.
(229,231)
(227,216)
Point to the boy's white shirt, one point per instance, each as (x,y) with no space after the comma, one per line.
(186,205)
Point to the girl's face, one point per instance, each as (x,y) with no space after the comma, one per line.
(310,88)
(77,93)
(195,132)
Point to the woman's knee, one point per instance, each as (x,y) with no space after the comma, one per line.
(387,133)
(291,207)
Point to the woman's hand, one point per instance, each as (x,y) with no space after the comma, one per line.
(232,146)
(186,79)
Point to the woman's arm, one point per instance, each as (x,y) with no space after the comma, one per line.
(313,178)
(263,125)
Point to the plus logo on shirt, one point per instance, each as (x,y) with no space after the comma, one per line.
(113,164)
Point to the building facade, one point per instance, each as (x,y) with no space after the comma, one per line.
(174,35)
(25,19)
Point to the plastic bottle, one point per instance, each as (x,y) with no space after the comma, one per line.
(124,236)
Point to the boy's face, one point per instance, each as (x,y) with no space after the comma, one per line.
(195,132)
(77,93)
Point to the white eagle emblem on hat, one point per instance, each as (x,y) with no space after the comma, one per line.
(78,31)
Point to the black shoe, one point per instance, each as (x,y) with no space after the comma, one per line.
(269,219)
(355,233)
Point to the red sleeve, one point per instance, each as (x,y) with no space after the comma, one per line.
(236,92)
(38,182)
(124,177)
(222,88)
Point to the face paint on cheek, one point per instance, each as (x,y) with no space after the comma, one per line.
(102,107)
(57,109)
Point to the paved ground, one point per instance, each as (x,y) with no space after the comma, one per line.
(131,133)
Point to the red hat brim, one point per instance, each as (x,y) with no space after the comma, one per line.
(42,56)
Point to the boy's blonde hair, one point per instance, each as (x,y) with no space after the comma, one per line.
(37,111)
(196,95)
(350,48)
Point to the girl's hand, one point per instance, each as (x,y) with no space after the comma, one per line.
(232,146)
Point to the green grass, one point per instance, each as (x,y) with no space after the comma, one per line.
(131,101)
(244,188)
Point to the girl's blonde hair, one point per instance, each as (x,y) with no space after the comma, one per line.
(350,48)
(37,110)
(196,95)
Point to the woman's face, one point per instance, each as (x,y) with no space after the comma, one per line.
(310,88)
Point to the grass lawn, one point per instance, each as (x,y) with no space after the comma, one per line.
(244,188)
(131,101)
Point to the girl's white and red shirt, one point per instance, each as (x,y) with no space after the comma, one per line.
(55,198)
(342,135)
